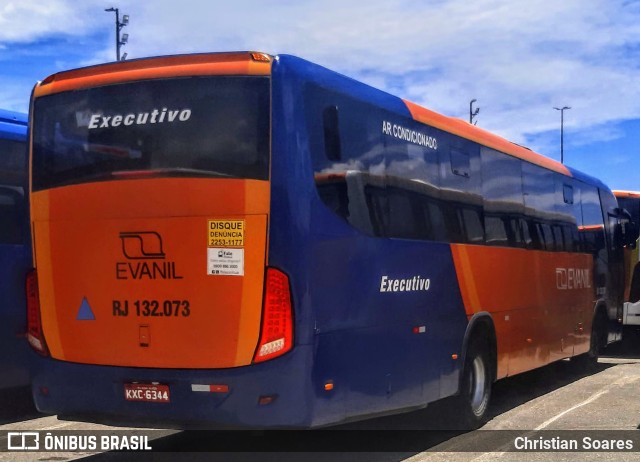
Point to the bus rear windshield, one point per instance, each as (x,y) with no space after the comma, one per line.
(199,126)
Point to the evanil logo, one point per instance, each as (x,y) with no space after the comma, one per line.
(156,116)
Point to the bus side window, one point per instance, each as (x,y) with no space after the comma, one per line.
(533,229)
(332,146)
(336,197)
(558,239)
(502,192)
(496,231)
(433,213)
(404,220)
(547,236)
(515,232)
(378,206)
(526,235)
(473,225)
(593,222)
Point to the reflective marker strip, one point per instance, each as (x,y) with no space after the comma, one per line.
(210,388)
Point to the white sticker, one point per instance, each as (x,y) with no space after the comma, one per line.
(225,261)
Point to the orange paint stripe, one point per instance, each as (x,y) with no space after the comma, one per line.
(42,238)
(153,68)
(256,194)
(483,137)
(466,280)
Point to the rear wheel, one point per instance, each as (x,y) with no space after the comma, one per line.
(475,390)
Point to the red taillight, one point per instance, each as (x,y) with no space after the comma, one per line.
(276,331)
(34,323)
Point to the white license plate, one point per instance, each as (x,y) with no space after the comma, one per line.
(150,393)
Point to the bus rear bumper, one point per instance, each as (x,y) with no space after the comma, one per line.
(273,394)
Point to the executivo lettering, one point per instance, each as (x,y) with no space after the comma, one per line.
(156,116)
(414,284)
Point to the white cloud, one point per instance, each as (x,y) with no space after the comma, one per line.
(519,59)
(28,20)
(12,96)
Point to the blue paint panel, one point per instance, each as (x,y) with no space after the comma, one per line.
(578,175)
(15,253)
(362,338)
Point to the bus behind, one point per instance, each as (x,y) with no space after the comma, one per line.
(15,249)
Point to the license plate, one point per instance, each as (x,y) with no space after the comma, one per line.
(147,392)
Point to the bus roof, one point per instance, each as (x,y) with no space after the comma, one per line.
(245,63)
(628,194)
(256,63)
(471,132)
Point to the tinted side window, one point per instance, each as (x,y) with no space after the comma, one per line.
(592,230)
(502,193)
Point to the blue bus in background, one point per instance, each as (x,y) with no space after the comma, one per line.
(15,249)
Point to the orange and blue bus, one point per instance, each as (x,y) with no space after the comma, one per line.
(252,240)
(15,249)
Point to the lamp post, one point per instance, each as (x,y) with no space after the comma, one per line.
(119,26)
(562,109)
(472,113)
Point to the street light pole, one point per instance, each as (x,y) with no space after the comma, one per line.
(472,113)
(562,109)
(119,26)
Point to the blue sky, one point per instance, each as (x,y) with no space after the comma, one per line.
(518,59)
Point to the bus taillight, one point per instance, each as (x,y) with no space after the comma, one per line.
(34,323)
(276,331)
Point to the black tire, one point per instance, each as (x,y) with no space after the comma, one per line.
(472,402)
(589,360)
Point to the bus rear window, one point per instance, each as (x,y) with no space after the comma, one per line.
(199,126)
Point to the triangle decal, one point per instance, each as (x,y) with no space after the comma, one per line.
(85,313)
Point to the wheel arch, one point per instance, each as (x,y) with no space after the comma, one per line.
(481,326)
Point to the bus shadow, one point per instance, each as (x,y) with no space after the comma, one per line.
(16,405)
(520,389)
(507,394)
